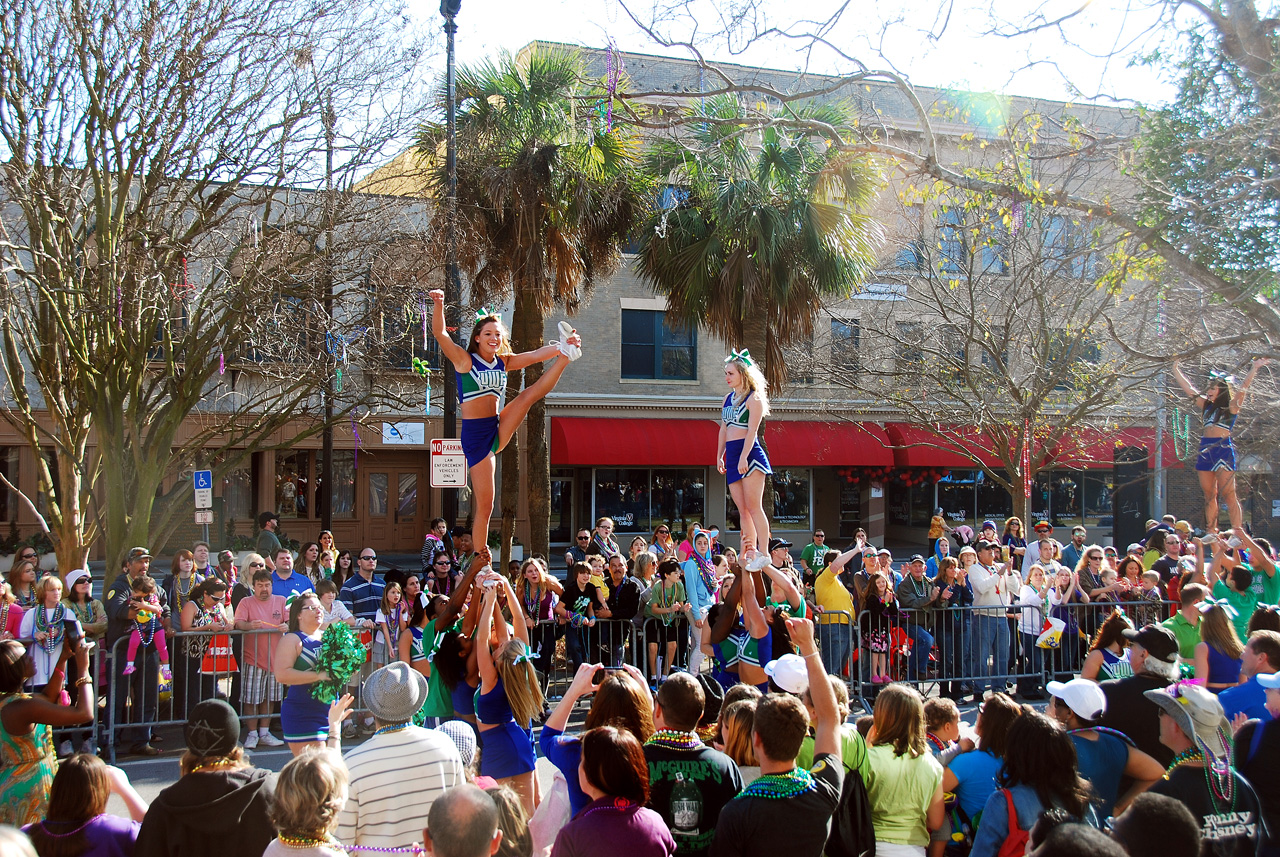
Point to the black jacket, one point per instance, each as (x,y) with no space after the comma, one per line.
(212,813)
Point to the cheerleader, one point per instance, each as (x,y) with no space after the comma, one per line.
(740,456)
(509,697)
(303,719)
(1216,464)
(741,647)
(482,369)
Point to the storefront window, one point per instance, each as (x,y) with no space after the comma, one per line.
(638,498)
(293,484)
(956,494)
(377,495)
(994,503)
(344,482)
(897,503)
(561,504)
(850,509)
(791,492)
(237,494)
(1098,488)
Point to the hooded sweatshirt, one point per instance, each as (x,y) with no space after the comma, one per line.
(931,566)
(210,813)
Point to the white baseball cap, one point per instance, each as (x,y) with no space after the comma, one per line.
(1082,696)
(789,673)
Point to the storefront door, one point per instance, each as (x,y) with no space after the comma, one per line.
(394,522)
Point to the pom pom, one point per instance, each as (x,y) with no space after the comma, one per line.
(341,655)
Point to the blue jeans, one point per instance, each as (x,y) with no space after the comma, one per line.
(575,645)
(143,685)
(1033,660)
(836,645)
(921,644)
(992,633)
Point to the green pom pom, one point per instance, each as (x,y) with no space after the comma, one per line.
(341,656)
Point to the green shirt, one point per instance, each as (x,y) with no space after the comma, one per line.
(853,751)
(1267,588)
(1244,603)
(439,703)
(268,544)
(664,597)
(806,555)
(1188,635)
(900,789)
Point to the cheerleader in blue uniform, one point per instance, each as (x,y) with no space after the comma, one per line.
(509,697)
(740,456)
(1216,464)
(482,370)
(303,718)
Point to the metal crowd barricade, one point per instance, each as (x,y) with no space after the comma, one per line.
(191,683)
(974,648)
(88,731)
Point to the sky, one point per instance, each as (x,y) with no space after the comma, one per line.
(943,43)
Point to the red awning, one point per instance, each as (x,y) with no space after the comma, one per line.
(929,446)
(1087,448)
(591,442)
(796,443)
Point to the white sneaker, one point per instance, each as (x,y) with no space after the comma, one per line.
(252,740)
(269,740)
(65,749)
(573,352)
(757,562)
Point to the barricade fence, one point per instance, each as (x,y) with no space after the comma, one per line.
(955,651)
(959,652)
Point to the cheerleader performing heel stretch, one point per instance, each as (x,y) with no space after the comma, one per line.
(739,455)
(482,370)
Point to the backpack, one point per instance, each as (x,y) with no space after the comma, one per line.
(1015,843)
(852,833)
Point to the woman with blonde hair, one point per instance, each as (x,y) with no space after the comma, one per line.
(739,455)
(310,794)
(736,725)
(1217,658)
(509,697)
(905,781)
(10,613)
(538,593)
(46,624)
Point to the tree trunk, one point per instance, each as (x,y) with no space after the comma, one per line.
(538,469)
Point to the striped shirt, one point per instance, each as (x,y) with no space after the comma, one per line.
(395,777)
(362,597)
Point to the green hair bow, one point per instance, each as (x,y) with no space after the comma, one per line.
(743,357)
(483,313)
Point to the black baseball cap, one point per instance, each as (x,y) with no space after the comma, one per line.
(915,557)
(1159,641)
(774,544)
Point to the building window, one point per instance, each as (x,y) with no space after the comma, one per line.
(639,499)
(845,356)
(651,348)
(561,504)
(792,501)
(951,241)
(344,482)
(237,494)
(910,355)
(293,484)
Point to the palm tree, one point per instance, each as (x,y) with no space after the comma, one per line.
(765,226)
(546,197)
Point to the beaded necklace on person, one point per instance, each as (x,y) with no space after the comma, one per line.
(27,601)
(938,743)
(1105,730)
(147,630)
(301,842)
(386,730)
(605,547)
(531,605)
(180,594)
(619,803)
(706,570)
(85,618)
(795,782)
(1217,777)
(675,740)
(665,601)
(53,629)
(216,763)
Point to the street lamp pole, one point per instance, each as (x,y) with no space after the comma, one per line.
(453,283)
(325,500)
